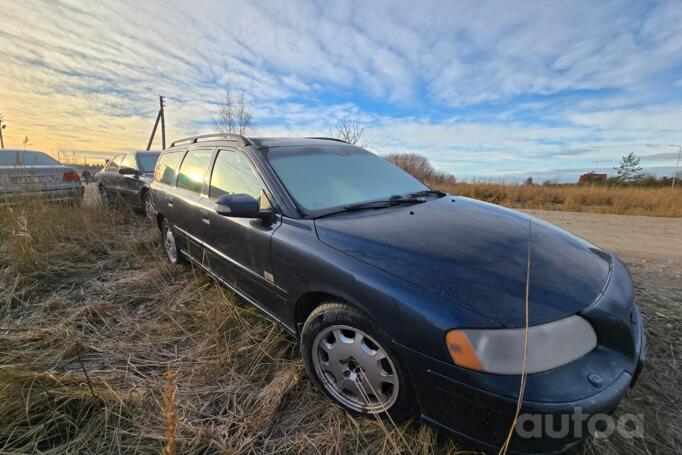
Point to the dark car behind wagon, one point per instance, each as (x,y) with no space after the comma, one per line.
(126,178)
(407,301)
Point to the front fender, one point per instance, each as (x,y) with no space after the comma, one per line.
(406,313)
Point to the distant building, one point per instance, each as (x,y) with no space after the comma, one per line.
(593,177)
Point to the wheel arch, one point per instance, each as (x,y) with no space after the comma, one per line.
(144,190)
(308,301)
(159,220)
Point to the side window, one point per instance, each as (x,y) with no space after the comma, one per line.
(129,161)
(193,169)
(165,167)
(232,174)
(115,163)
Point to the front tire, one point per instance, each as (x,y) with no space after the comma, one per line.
(170,245)
(353,364)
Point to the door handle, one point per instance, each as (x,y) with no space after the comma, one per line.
(205,220)
(170,202)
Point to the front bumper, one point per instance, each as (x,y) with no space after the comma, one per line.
(483,418)
(479,407)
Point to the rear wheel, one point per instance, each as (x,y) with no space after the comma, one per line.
(169,244)
(352,362)
(147,209)
(104,198)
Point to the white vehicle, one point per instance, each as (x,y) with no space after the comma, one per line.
(28,173)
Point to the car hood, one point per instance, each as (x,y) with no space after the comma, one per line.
(474,254)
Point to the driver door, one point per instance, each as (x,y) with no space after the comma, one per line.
(110,176)
(238,249)
(130,184)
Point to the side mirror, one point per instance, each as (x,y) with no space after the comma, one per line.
(125,170)
(240,206)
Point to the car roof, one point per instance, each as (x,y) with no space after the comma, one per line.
(269,142)
(133,152)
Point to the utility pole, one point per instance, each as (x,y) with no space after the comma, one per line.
(2,127)
(163,123)
(159,117)
(677,164)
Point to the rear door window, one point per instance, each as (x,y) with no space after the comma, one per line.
(232,174)
(147,161)
(193,170)
(165,167)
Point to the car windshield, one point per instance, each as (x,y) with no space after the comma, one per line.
(321,178)
(26,158)
(147,161)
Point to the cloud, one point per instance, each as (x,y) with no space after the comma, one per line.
(477,87)
(665,156)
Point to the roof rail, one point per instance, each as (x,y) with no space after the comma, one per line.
(241,140)
(328,139)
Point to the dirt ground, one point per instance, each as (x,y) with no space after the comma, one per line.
(652,249)
(630,237)
(651,246)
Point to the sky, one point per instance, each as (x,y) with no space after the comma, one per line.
(484,89)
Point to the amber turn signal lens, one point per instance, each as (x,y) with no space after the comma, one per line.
(461,351)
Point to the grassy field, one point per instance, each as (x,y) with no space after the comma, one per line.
(576,198)
(106,348)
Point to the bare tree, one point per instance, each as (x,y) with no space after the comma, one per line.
(349,130)
(236,114)
(421,168)
(413,163)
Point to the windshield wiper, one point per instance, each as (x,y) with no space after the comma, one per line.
(427,192)
(376,204)
(384,203)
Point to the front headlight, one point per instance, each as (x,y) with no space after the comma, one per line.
(500,351)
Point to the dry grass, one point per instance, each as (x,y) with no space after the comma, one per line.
(105,348)
(92,320)
(575,198)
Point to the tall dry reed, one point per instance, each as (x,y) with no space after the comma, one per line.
(575,198)
(91,320)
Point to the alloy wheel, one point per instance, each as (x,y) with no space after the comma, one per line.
(355,369)
(169,243)
(148,211)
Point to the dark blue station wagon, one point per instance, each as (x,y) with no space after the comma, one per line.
(407,301)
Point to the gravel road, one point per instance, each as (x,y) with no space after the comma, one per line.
(651,246)
(628,236)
